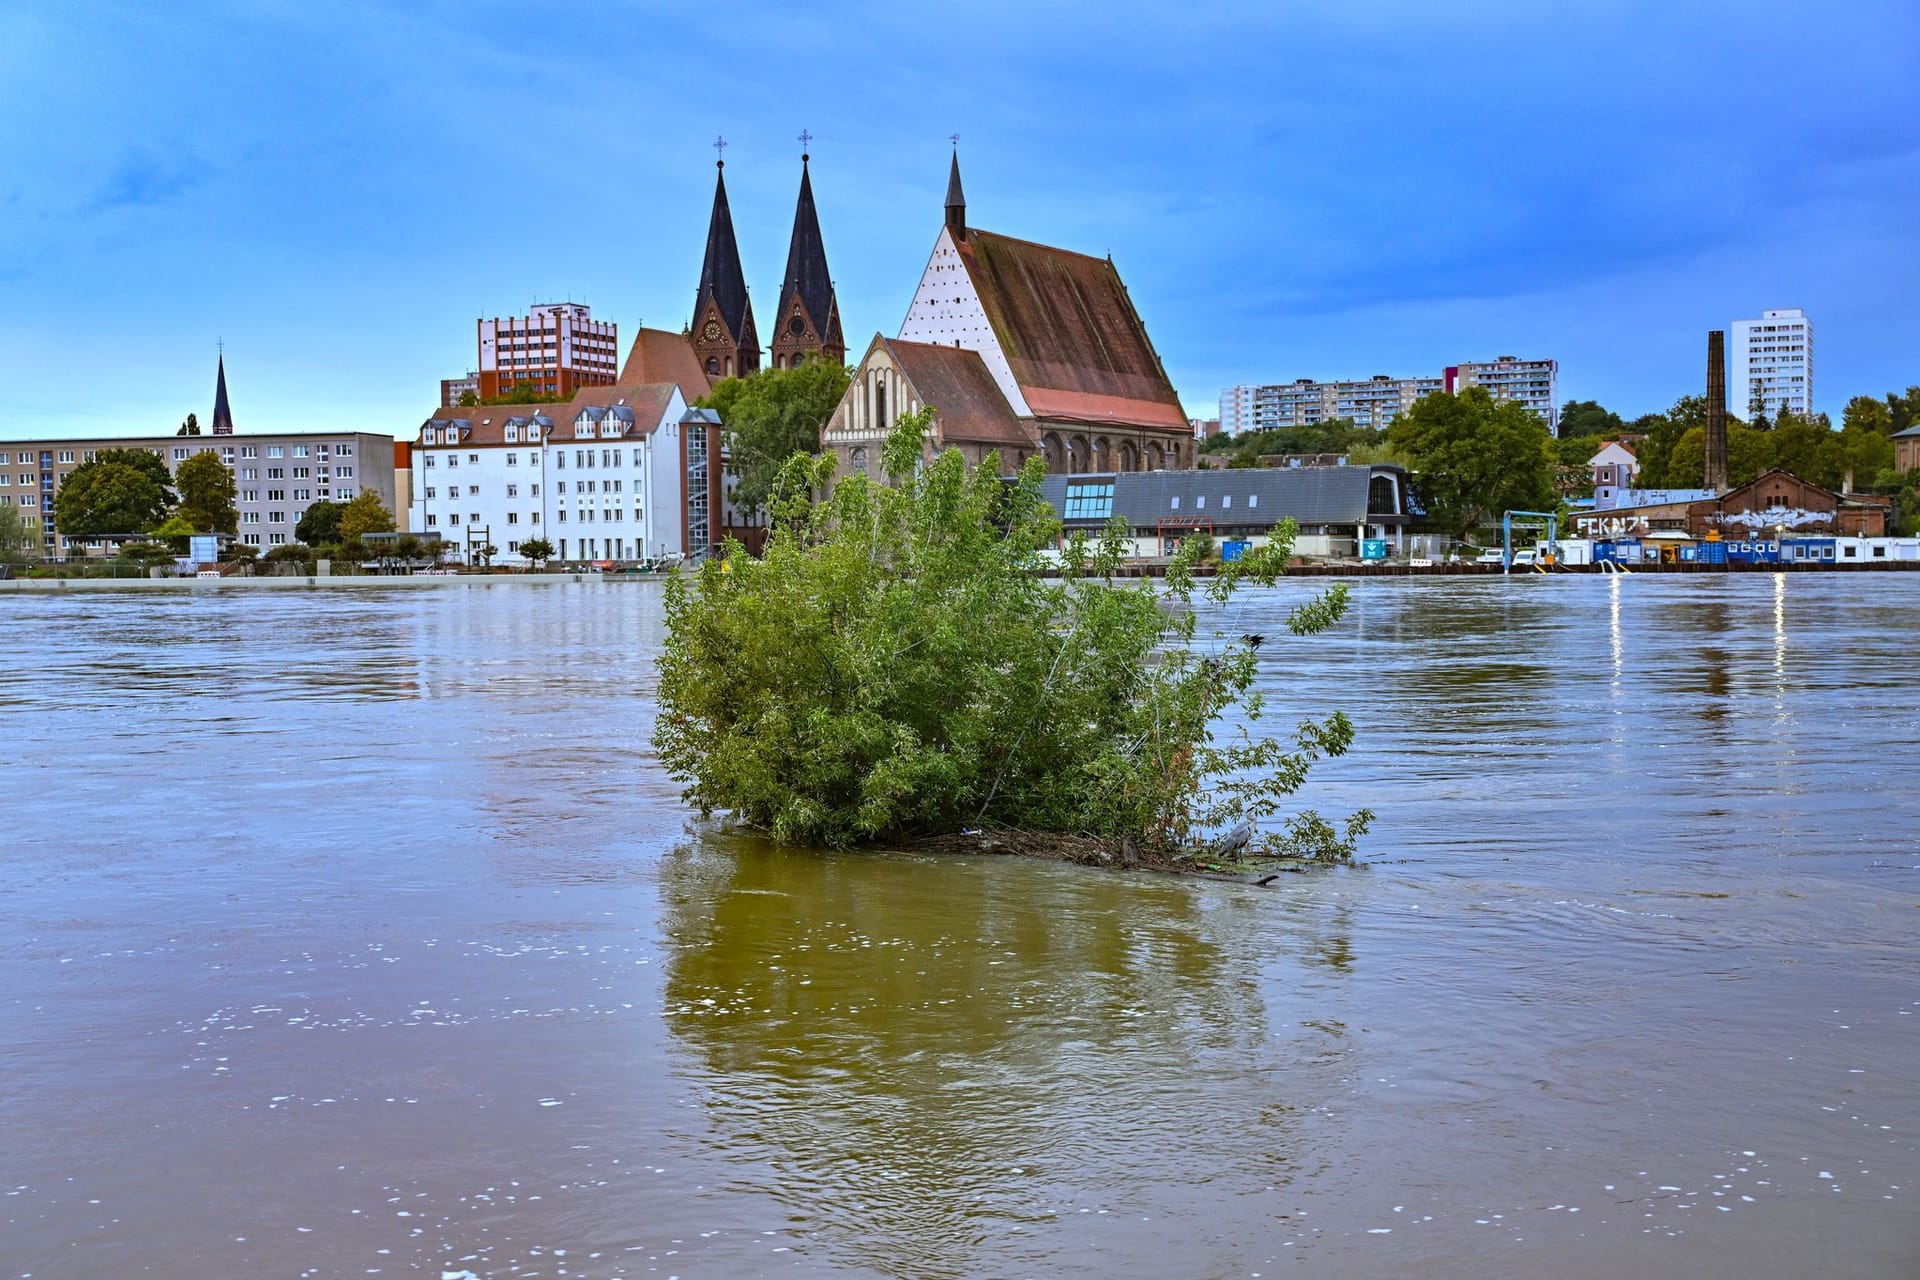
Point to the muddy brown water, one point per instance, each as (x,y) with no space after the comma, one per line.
(362,936)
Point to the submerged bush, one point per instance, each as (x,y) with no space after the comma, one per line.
(898,664)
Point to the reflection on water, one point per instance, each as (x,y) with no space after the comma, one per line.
(358,934)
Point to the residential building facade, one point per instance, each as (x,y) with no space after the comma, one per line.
(1771,364)
(1533,383)
(1369,402)
(277,475)
(558,348)
(453,389)
(601,478)
(1376,401)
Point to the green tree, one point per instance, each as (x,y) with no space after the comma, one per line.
(1904,408)
(298,555)
(176,531)
(538,550)
(365,514)
(468,399)
(524,391)
(22,536)
(1475,457)
(1587,418)
(1749,452)
(1864,413)
(117,491)
(897,664)
(320,524)
(771,415)
(191,427)
(207,494)
(243,554)
(1807,448)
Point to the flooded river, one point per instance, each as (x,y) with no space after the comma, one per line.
(357,933)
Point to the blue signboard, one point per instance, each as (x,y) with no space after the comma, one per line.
(204,548)
(1373,549)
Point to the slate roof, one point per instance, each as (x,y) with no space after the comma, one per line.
(222,412)
(721,277)
(1907,434)
(637,408)
(956,384)
(1077,347)
(807,276)
(660,356)
(1260,496)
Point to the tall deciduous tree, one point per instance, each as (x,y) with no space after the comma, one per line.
(22,536)
(1475,457)
(1587,418)
(191,427)
(365,514)
(117,491)
(207,494)
(1749,452)
(771,415)
(319,525)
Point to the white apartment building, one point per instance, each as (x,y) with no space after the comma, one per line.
(598,481)
(1534,383)
(1374,402)
(1370,402)
(1770,366)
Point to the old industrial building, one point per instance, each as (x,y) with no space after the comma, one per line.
(1774,504)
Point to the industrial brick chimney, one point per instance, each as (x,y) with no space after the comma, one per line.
(1716,477)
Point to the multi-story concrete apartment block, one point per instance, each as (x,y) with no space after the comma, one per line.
(1370,402)
(597,481)
(1377,401)
(1533,383)
(557,347)
(452,389)
(276,476)
(1771,364)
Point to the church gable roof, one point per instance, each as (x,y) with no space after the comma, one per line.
(807,276)
(659,356)
(955,383)
(1077,347)
(722,281)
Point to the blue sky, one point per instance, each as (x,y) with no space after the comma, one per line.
(1290,189)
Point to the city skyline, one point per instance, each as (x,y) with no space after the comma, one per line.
(340,209)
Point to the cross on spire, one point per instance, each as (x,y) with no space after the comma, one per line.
(805,139)
(954,138)
(720,150)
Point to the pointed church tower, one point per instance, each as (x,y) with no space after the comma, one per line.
(222,414)
(809,317)
(956,201)
(723,334)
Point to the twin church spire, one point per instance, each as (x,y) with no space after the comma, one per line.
(807,322)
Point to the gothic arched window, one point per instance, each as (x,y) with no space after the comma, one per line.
(713,364)
(880,403)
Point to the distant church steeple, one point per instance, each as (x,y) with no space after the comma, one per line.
(723,333)
(956,198)
(809,317)
(222,413)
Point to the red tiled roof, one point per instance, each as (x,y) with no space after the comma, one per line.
(956,384)
(1070,332)
(660,356)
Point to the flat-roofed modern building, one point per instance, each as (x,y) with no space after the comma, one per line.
(277,475)
(556,348)
(1533,383)
(1337,508)
(1770,366)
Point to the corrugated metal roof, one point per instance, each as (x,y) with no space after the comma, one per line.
(1238,496)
